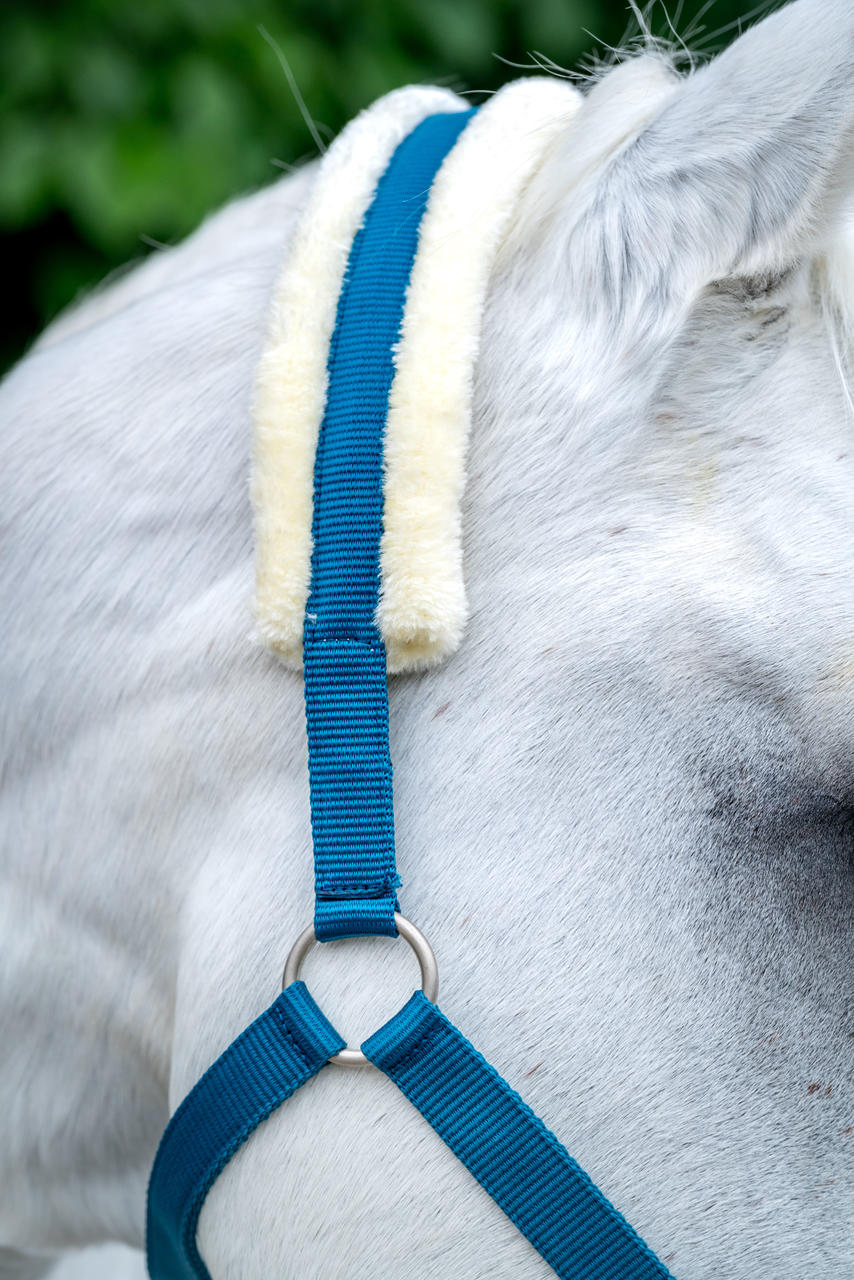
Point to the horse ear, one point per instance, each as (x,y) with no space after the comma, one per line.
(748,164)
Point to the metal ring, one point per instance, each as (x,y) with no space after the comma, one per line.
(418,943)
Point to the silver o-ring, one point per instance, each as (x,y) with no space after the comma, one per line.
(418,943)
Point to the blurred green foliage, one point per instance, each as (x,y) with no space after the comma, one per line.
(122,124)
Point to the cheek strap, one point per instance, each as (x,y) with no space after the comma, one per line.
(485,1123)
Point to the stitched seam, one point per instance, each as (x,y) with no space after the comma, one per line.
(387,884)
(423,1042)
(290,1037)
(316,638)
(331,888)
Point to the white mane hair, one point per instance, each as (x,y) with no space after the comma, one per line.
(624,808)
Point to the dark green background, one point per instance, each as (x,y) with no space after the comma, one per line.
(124,121)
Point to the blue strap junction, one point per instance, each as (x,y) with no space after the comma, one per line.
(278,1052)
(510,1152)
(503,1144)
(346,694)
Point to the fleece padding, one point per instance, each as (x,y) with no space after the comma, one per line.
(422,607)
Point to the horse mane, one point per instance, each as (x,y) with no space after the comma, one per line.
(833,274)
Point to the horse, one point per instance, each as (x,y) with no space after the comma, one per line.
(623,808)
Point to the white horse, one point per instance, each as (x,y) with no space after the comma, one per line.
(624,809)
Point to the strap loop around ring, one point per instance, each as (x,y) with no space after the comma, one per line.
(423,953)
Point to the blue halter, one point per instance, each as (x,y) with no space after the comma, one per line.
(485,1123)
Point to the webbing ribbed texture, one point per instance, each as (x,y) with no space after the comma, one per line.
(346,693)
(277,1053)
(514,1157)
(484,1122)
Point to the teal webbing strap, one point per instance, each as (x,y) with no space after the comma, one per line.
(346,698)
(495,1134)
(508,1149)
(269,1061)
(487,1125)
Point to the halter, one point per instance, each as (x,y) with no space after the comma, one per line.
(510,1152)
